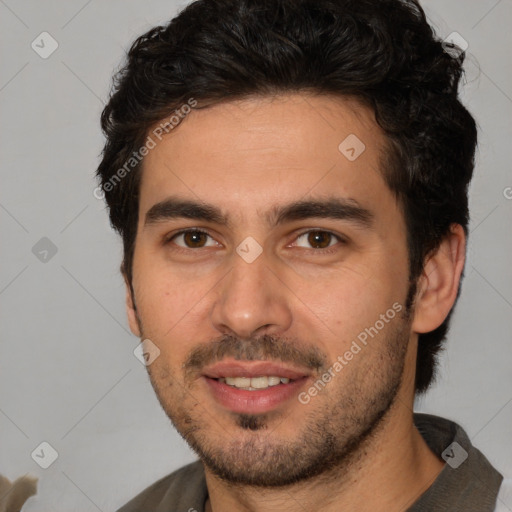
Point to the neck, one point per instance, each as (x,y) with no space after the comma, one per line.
(389,472)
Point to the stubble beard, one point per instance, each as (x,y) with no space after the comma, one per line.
(335,434)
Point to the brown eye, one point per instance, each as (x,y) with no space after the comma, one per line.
(192,239)
(195,239)
(319,239)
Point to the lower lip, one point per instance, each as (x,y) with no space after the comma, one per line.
(254,402)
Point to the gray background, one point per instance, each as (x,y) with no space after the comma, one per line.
(68,375)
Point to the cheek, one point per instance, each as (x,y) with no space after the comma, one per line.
(167,304)
(161,306)
(348,299)
(174,307)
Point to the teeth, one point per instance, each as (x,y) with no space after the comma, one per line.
(259,382)
(274,381)
(239,382)
(254,383)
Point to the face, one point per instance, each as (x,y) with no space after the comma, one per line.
(271,271)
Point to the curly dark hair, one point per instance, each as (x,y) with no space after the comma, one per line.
(382,52)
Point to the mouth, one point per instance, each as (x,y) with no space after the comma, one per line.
(254,383)
(253,387)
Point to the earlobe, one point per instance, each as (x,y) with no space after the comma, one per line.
(131,311)
(438,285)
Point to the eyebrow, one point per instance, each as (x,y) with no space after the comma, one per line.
(330,208)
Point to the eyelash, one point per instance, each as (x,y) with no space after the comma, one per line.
(327,250)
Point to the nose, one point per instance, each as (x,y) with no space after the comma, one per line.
(251,300)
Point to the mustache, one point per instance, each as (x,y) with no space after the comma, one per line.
(264,348)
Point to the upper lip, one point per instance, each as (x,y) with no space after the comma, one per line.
(234,368)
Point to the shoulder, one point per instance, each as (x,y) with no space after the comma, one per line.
(468,481)
(183,489)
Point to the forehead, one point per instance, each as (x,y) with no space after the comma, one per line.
(244,155)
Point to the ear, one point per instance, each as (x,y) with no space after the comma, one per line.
(131,311)
(439,284)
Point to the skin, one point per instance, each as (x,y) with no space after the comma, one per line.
(247,157)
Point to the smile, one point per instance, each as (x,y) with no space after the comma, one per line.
(254,383)
(253,387)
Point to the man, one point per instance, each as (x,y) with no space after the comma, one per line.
(290,181)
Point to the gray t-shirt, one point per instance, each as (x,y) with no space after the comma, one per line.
(467,483)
